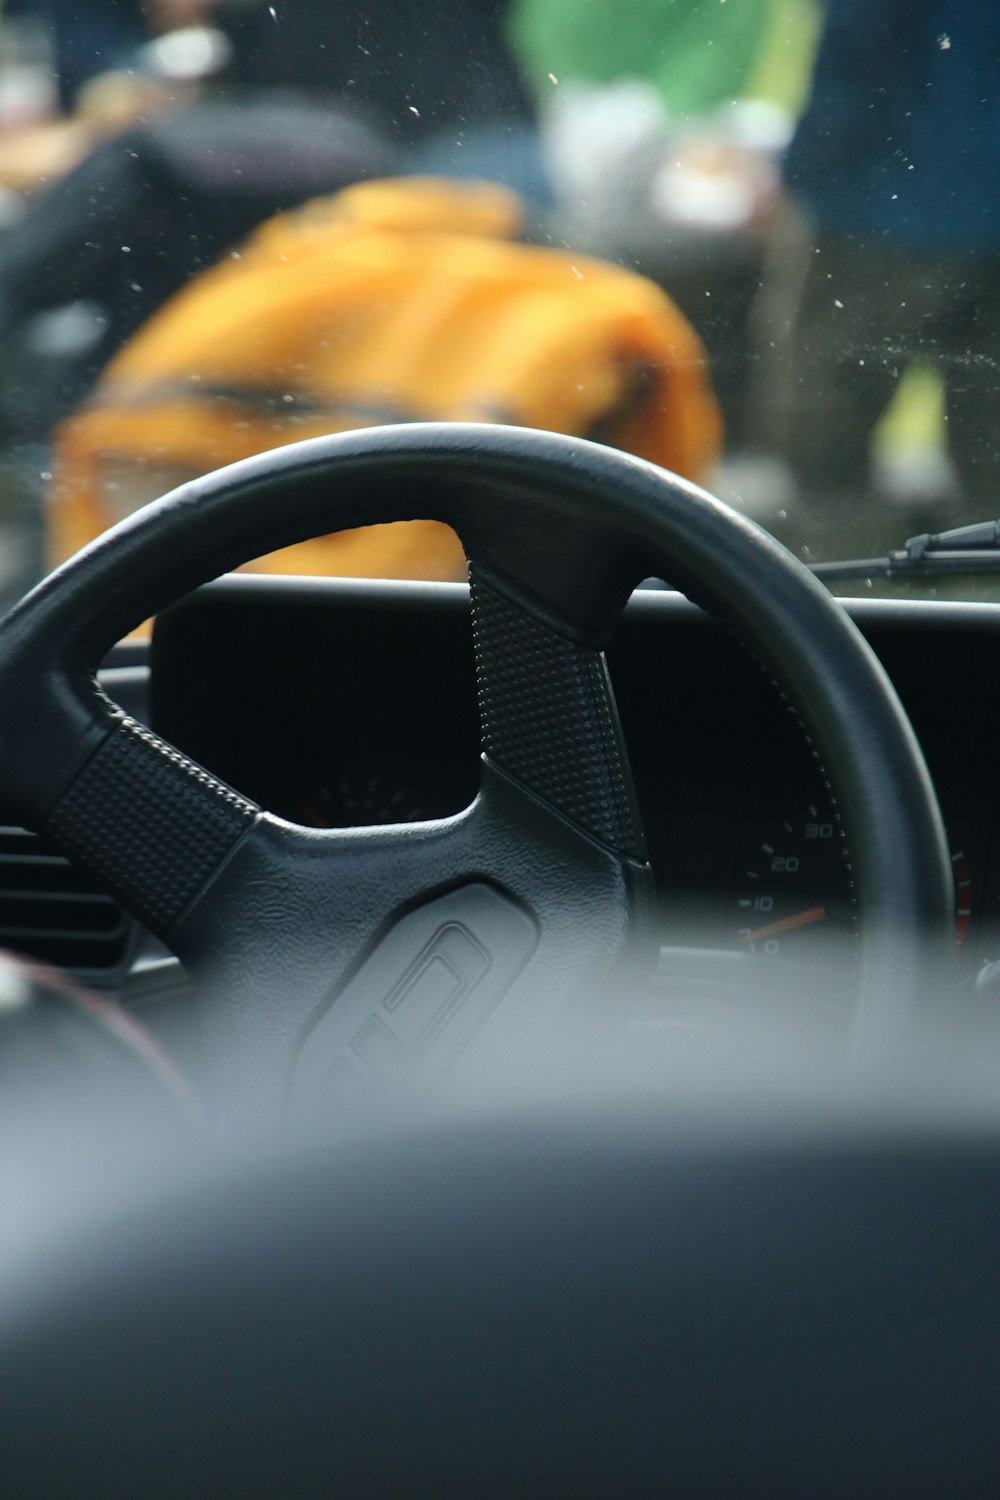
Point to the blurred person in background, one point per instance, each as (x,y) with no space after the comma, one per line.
(306,98)
(441,76)
(87,38)
(177,162)
(694,53)
(889,255)
(664,121)
(303,99)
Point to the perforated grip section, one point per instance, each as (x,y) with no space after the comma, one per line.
(148,824)
(549,719)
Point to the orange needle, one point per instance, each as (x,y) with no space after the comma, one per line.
(786,924)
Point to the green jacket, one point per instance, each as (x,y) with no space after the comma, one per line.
(697,53)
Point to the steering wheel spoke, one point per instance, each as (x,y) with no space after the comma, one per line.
(548,716)
(149,825)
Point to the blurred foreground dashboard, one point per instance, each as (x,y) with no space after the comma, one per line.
(337,703)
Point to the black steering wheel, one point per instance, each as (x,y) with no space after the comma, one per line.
(537,893)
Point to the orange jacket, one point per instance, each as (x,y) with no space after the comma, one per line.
(402,300)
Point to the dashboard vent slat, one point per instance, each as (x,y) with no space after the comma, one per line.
(53,912)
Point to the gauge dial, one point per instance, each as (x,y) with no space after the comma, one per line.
(360,799)
(364,797)
(792,893)
(962,872)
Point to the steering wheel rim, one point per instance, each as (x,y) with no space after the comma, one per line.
(557,531)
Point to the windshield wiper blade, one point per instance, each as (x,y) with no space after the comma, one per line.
(964,549)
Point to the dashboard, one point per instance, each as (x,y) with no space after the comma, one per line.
(335,703)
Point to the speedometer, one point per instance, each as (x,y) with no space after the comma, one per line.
(792,892)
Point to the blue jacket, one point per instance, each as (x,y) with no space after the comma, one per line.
(900,141)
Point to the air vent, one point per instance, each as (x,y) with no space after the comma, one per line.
(51,911)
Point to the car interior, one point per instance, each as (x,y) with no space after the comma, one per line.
(467,945)
(532,1033)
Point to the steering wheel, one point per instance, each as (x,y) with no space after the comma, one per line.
(431,937)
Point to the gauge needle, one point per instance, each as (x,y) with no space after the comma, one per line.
(786,924)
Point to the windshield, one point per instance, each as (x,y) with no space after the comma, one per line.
(753,240)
